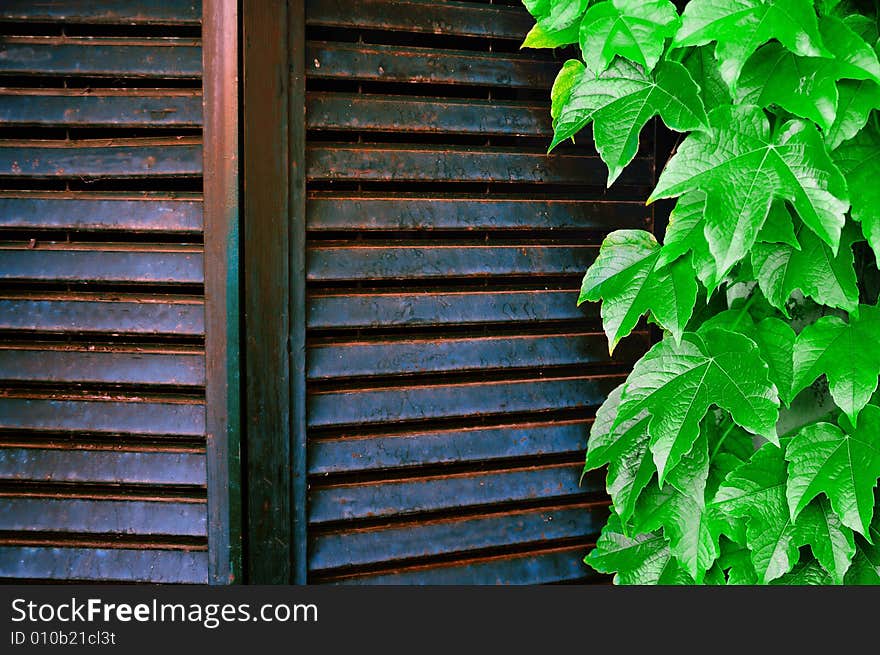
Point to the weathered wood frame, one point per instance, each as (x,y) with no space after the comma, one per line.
(273,66)
(221,196)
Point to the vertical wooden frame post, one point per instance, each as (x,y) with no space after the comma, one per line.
(222,393)
(274,256)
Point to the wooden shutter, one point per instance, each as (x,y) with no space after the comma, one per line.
(450,378)
(102,323)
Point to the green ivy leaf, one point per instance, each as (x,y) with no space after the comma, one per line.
(855,59)
(859,159)
(776,339)
(627,277)
(755,492)
(641,560)
(559,26)
(843,465)
(779,228)
(741,167)
(865,568)
(857,99)
(677,383)
(684,234)
(625,451)
(621,101)
(736,559)
(814,269)
(537,8)
(805,86)
(806,573)
(846,353)
(635,29)
(741,26)
(701,64)
(832,543)
(680,510)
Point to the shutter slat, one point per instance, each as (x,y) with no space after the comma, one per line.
(396,498)
(414,403)
(354,454)
(381,63)
(105,564)
(100,108)
(422,16)
(109,367)
(358,212)
(98,466)
(433,538)
(117,12)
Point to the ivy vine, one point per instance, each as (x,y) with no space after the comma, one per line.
(744,447)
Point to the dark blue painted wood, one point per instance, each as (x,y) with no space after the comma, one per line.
(363,310)
(121,58)
(103,367)
(104,564)
(424,448)
(558,565)
(30,515)
(129,416)
(419,539)
(418,163)
(387,63)
(453,19)
(128,264)
(412,261)
(122,12)
(401,357)
(101,159)
(96,213)
(410,496)
(414,403)
(102,466)
(120,314)
(97,109)
(437,212)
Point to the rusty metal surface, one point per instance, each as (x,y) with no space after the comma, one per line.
(103,472)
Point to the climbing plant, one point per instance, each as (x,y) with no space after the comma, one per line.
(744,447)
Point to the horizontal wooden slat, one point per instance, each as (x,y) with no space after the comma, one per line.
(137,264)
(365,310)
(411,261)
(432,538)
(401,497)
(425,16)
(338,111)
(103,516)
(104,564)
(543,567)
(358,212)
(102,367)
(351,454)
(96,213)
(120,12)
(329,408)
(117,314)
(352,359)
(104,158)
(118,416)
(100,57)
(406,163)
(353,61)
(101,466)
(100,108)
